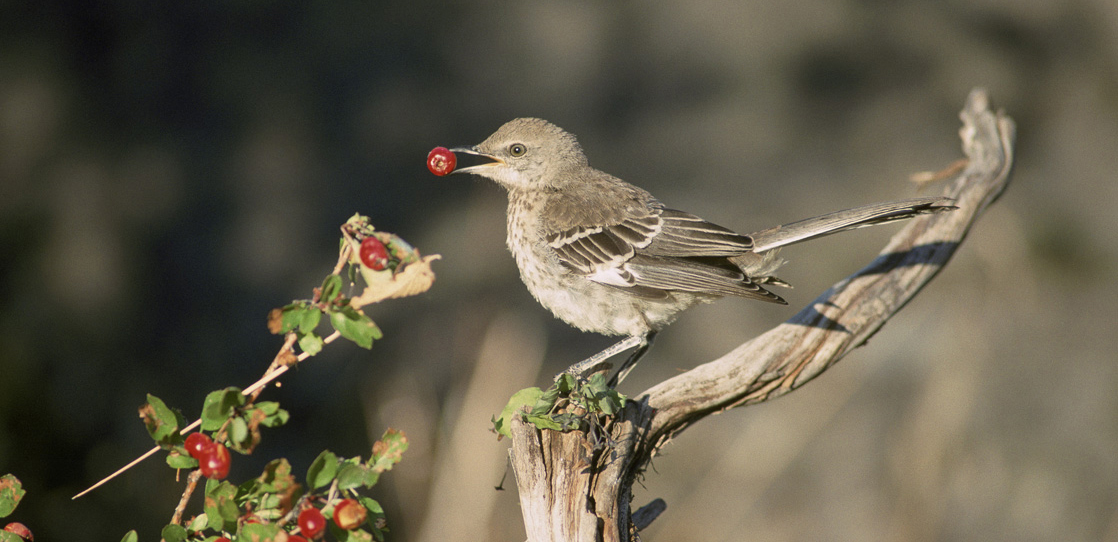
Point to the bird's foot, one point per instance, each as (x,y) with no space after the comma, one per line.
(599,361)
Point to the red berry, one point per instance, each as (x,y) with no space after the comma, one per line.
(295,538)
(373,254)
(196,444)
(215,463)
(441,161)
(222,539)
(311,522)
(19,530)
(349,514)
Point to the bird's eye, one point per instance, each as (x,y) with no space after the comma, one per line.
(517,149)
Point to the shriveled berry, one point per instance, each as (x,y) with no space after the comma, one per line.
(373,253)
(196,444)
(215,463)
(20,530)
(349,514)
(311,522)
(441,161)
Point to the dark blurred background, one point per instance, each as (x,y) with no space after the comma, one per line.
(169,172)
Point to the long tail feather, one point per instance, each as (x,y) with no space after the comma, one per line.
(858,217)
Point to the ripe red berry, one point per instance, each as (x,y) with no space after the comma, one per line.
(373,254)
(295,538)
(349,514)
(222,539)
(311,522)
(20,530)
(196,444)
(215,462)
(441,161)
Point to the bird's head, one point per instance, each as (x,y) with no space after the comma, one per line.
(526,154)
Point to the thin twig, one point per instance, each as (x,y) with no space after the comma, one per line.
(191,483)
(273,372)
(259,384)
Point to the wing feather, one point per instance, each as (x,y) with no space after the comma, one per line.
(684,275)
(684,234)
(651,251)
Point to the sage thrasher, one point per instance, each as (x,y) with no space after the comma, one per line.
(605,256)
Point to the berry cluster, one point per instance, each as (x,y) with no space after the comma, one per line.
(213,457)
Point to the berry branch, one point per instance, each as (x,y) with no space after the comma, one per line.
(231,418)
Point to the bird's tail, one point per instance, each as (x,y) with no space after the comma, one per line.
(858,217)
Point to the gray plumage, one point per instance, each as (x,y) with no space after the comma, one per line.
(605,256)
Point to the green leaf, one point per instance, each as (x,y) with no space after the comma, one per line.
(6,536)
(310,343)
(160,420)
(258,531)
(355,326)
(267,507)
(238,430)
(543,422)
(277,476)
(523,398)
(566,383)
(180,459)
(173,533)
(130,536)
(274,416)
(293,315)
(11,492)
(311,317)
(375,515)
(322,470)
(351,476)
(545,402)
(331,288)
(356,535)
(198,523)
(280,418)
(388,451)
(602,398)
(221,509)
(218,406)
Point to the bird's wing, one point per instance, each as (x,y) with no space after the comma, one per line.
(648,228)
(686,275)
(598,229)
(652,253)
(591,249)
(686,235)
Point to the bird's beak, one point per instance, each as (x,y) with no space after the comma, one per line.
(493,161)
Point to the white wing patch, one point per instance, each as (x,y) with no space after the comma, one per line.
(613,276)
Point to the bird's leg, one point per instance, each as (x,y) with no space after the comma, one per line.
(631,363)
(592,363)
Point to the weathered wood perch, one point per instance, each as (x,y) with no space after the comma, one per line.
(571,492)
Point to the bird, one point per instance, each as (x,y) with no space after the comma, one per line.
(607,257)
